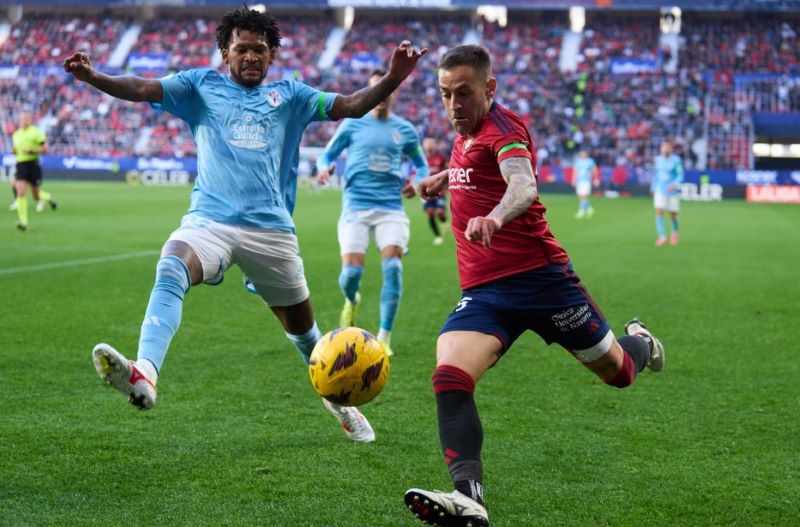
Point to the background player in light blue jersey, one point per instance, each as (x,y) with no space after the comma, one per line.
(248,136)
(666,189)
(372,202)
(586,173)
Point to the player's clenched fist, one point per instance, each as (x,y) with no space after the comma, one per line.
(433,186)
(79,65)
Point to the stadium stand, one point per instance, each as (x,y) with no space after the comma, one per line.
(728,68)
(187,41)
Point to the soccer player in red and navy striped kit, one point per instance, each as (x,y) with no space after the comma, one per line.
(514,276)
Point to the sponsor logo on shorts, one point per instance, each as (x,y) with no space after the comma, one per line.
(571,318)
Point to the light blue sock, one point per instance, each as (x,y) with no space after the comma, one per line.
(674,224)
(163,315)
(390,291)
(350,280)
(305,343)
(584,204)
(660,226)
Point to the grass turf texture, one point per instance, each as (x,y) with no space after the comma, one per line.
(239,438)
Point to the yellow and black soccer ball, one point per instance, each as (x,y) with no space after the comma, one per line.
(348,366)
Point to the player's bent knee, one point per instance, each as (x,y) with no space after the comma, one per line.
(172,274)
(183,251)
(448,378)
(595,352)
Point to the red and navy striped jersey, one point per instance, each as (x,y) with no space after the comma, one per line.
(476,187)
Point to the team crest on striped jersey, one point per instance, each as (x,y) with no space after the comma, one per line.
(468,143)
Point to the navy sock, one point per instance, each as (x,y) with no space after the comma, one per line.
(460,430)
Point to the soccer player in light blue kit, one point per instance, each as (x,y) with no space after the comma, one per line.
(372,202)
(666,189)
(248,136)
(585,175)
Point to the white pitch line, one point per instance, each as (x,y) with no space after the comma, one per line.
(75,263)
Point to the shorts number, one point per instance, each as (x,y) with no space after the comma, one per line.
(462,303)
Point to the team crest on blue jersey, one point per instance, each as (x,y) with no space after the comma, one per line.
(273,97)
(396,137)
(248,133)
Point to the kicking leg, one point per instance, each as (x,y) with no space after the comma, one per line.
(177,269)
(462,359)
(617,362)
(302,330)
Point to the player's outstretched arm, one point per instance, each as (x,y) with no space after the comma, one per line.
(404,59)
(519,195)
(129,88)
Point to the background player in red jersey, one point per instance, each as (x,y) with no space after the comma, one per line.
(435,207)
(514,275)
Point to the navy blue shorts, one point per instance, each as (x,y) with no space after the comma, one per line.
(550,301)
(435,203)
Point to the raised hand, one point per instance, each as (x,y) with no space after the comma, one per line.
(80,66)
(404,59)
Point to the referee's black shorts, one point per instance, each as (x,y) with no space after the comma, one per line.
(29,171)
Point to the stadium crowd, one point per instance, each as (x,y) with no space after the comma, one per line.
(620,118)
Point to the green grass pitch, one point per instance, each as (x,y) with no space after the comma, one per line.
(239,438)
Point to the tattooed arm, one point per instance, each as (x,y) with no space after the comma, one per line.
(521,192)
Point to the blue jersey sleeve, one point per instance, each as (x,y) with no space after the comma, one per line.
(678,176)
(180,94)
(414,152)
(337,144)
(311,105)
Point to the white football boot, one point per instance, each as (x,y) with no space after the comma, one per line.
(446,510)
(637,327)
(125,376)
(353,422)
